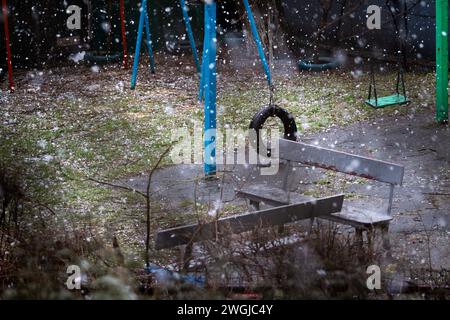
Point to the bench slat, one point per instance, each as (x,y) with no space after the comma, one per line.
(341,162)
(272,196)
(247,222)
(359,218)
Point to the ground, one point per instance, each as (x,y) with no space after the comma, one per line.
(68,132)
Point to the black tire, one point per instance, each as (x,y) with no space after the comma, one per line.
(327,63)
(290,127)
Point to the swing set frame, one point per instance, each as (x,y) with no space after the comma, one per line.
(208,80)
(144,22)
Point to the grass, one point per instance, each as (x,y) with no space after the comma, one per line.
(118,133)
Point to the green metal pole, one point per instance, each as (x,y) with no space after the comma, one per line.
(442,61)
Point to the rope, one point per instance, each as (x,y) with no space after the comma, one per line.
(270,38)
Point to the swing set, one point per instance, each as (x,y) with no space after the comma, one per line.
(144,22)
(209,52)
(207,69)
(5,14)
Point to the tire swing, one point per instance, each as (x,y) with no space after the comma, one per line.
(271,111)
(325,63)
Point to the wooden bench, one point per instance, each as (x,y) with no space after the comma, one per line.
(291,152)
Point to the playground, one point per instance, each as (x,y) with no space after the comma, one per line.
(89,177)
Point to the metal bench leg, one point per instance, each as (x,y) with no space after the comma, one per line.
(311,225)
(359,242)
(255,205)
(385,237)
(186,256)
(370,240)
(359,237)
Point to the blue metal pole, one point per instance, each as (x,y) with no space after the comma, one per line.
(210,82)
(205,62)
(190,34)
(138,44)
(149,42)
(258,42)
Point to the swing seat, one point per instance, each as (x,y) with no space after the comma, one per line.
(382,102)
(398,98)
(327,63)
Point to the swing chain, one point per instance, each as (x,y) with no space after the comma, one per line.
(271,95)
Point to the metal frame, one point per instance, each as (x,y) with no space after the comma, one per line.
(187,22)
(143,21)
(124,34)
(207,89)
(209,83)
(442,61)
(8,45)
(256,38)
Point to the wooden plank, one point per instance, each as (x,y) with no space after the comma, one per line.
(263,193)
(357,217)
(247,222)
(341,161)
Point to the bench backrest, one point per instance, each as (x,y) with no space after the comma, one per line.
(341,161)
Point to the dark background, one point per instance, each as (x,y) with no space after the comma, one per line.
(35,26)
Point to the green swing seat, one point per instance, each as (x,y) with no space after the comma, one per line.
(382,102)
(386,101)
